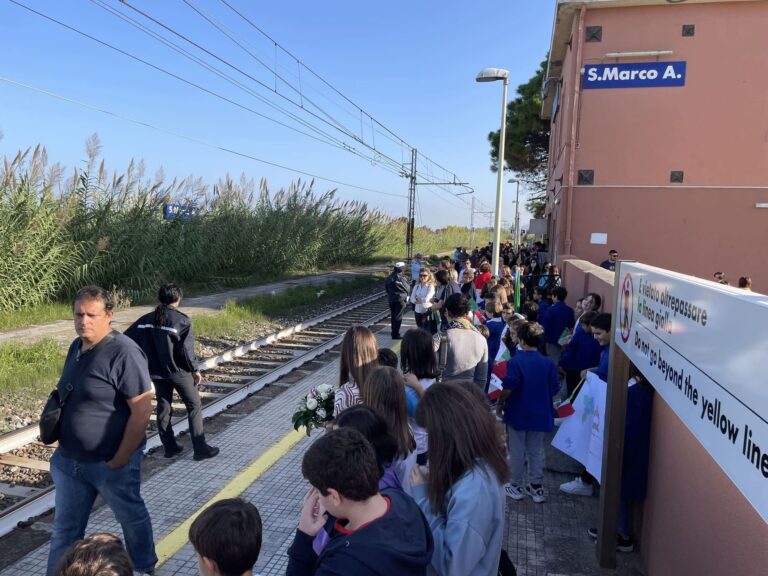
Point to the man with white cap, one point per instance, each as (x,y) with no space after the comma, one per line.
(398,288)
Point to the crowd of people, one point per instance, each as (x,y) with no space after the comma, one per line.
(413,471)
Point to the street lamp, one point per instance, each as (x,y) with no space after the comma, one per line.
(492,75)
(517,213)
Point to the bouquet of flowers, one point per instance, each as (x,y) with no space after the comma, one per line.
(316,409)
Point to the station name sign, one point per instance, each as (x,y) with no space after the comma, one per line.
(634,75)
(703,347)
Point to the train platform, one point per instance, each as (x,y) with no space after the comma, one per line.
(63,330)
(260,461)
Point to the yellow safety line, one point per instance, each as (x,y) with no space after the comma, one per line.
(174,541)
(178,537)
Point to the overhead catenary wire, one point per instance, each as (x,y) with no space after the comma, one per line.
(192,138)
(427,175)
(243,72)
(300,64)
(335,142)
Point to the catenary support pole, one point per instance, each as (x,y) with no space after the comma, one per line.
(409,228)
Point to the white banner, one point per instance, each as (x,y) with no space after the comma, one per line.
(581,434)
(704,346)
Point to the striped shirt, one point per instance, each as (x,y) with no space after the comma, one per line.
(347,395)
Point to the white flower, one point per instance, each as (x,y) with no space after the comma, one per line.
(311,403)
(321,413)
(324,388)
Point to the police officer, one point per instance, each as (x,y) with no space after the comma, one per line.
(166,337)
(398,287)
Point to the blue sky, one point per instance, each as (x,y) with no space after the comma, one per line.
(409,65)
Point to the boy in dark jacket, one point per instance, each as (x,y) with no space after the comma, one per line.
(371,533)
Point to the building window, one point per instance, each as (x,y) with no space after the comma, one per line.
(586,178)
(676,176)
(594,34)
(689,30)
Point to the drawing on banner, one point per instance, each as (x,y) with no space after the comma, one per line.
(627,292)
(581,435)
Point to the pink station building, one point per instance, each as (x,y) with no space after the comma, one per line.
(659,134)
(659,149)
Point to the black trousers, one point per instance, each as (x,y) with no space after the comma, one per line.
(185,387)
(397,309)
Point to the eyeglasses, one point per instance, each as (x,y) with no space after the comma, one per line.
(423,276)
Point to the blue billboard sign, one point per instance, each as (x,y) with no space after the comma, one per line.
(634,75)
(180,211)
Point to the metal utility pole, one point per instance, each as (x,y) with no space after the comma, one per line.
(409,229)
(411,223)
(472,225)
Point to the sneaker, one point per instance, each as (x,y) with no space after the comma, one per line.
(174,451)
(514,491)
(622,544)
(536,493)
(208,452)
(577,487)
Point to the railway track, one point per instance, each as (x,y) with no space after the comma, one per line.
(228,378)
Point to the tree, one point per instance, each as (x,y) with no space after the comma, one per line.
(526,146)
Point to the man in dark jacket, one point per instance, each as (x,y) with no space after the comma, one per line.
(165,336)
(371,533)
(398,288)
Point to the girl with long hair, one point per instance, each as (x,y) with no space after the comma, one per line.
(419,365)
(461,495)
(359,356)
(385,393)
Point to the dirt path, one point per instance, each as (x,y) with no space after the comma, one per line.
(63,330)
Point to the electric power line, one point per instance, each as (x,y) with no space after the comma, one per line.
(191,138)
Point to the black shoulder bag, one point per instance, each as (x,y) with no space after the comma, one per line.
(50,419)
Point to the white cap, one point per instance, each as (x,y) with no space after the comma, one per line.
(399,264)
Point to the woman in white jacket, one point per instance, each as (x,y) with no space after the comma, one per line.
(421,298)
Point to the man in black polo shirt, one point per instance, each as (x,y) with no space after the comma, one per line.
(102,432)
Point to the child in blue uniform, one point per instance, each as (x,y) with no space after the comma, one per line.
(526,406)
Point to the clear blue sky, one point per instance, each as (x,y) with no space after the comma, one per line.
(410,65)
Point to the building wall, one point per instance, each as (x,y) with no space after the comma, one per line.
(715,129)
(694,519)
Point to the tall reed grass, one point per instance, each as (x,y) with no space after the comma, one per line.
(58,233)
(95,227)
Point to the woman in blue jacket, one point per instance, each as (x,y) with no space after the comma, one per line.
(461,496)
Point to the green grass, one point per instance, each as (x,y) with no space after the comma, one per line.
(265,308)
(391,240)
(40,314)
(30,368)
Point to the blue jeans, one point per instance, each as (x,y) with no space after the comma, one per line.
(525,445)
(78,484)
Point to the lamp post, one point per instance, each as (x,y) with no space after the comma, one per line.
(492,75)
(517,212)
